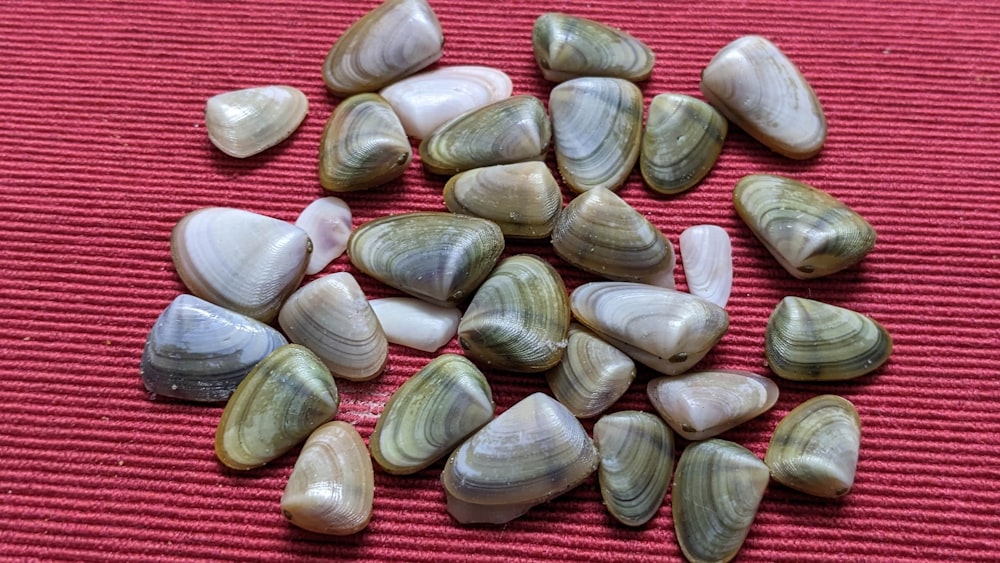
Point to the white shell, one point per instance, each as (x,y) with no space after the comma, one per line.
(245,122)
(707,255)
(327,221)
(415,323)
(425,101)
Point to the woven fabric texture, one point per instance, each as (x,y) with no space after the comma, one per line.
(103,150)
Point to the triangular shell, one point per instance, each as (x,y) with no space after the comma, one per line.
(570,47)
(592,374)
(681,142)
(245,122)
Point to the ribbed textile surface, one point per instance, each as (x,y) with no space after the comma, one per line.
(104,150)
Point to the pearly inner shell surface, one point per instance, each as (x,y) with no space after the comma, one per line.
(681,142)
(569,47)
(411,322)
(707,257)
(327,221)
(246,122)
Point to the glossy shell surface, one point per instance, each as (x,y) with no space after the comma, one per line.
(568,47)
(245,122)
(681,142)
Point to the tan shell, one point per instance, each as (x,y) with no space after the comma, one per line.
(522,198)
(245,122)
(570,47)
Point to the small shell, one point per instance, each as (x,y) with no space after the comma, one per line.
(570,47)
(408,321)
(699,405)
(637,460)
(428,100)
(394,40)
(363,145)
(197,351)
(808,340)
(808,231)
(755,85)
(438,257)
(717,489)
(518,319)
(592,374)
(430,414)
(511,130)
(239,260)
(814,449)
(246,122)
(667,330)
(327,221)
(707,255)
(533,452)
(600,233)
(332,488)
(682,141)
(522,198)
(597,123)
(331,317)
(287,396)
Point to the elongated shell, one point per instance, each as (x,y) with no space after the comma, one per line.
(287,396)
(430,99)
(243,123)
(681,142)
(409,321)
(394,40)
(592,374)
(601,233)
(808,340)
(699,405)
(814,449)
(197,351)
(327,221)
(717,489)
(332,317)
(518,318)
(667,330)
(597,123)
(759,89)
(531,453)
(239,260)
(808,231)
(707,255)
(511,130)
(430,414)
(522,198)
(637,460)
(570,47)
(438,257)
(332,487)
(363,145)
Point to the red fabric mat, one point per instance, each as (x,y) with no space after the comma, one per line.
(103,149)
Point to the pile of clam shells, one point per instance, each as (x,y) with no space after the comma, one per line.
(245,271)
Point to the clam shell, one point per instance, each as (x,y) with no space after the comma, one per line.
(699,405)
(408,321)
(522,198)
(197,351)
(760,90)
(597,123)
(363,145)
(430,414)
(600,233)
(332,317)
(239,260)
(592,374)
(283,399)
(707,256)
(518,318)
(569,47)
(814,449)
(327,221)
(332,488)
(533,452)
(428,100)
(664,329)
(438,257)
(808,340)
(681,142)
(637,460)
(245,122)
(511,130)
(808,231)
(394,40)
(717,489)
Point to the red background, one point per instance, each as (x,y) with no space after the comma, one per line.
(103,149)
